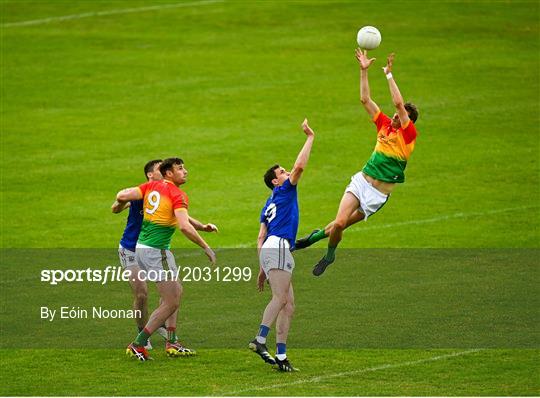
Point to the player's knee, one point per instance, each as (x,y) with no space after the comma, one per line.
(172,304)
(141,296)
(340,224)
(289,309)
(281,299)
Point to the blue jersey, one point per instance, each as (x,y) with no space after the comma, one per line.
(133,226)
(280,213)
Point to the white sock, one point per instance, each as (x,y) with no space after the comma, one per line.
(281,357)
(261,340)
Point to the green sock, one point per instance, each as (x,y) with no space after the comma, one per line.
(142,338)
(317,236)
(331,254)
(171,335)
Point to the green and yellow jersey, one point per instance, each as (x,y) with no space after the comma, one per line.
(161,199)
(392,151)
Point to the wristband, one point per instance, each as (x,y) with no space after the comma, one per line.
(389,76)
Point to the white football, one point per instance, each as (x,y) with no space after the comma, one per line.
(368,38)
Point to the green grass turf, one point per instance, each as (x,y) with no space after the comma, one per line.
(239,372)
(86,102)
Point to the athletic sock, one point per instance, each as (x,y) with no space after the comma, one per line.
(317,236)
(281,351)
(263,332)
(330,254)
(142,338)
(171,334)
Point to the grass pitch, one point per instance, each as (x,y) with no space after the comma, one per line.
(88,99)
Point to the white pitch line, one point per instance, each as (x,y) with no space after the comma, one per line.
(109,12)
(317,379)
(443,218)
(421,221)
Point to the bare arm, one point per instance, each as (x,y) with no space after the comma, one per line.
(118,207)
(128,194)
(303,156)
(365,96)
(260,240)
(199,226)
(191,233)
(262,236)
(397,99)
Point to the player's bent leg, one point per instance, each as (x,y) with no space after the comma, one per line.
(170,292)
(355,217)
(280,281)
(349,204)
(283,324)
(173,347)
(140,300)
(140,296)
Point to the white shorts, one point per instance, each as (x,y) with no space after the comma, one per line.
(127,257)
(158,264)
(276,254)
(371,199)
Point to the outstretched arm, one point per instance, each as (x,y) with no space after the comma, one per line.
(394,91)
(199,226)
(128,194)
(260,240)
(191,233)
(303,156)
(118,207)
(365,96)
(262,236)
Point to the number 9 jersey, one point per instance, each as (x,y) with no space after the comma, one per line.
(161,199)
(280,213)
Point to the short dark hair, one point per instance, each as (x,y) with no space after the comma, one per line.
(168,164)
(412,110)
(270,175)
(149,167)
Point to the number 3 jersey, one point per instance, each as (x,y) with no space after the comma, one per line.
(161,199)
(280,213)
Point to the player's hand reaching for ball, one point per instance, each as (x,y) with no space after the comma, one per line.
(389,62)
(307,129)
(363,59)
(260,280)
(211,255)
(210,228)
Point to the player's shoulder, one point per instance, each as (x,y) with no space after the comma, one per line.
(268,201)
(409,126)
(381,117)
(175,191)
(150,184)
(287,186)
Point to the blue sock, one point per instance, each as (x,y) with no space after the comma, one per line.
(263,332)
(281,351)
